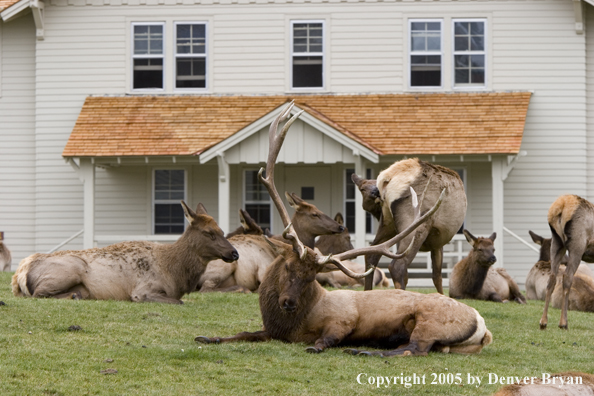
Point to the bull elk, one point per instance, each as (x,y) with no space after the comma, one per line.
(295,308)
(137,271)
(246,274)
(5,257)
(571,219)
(388,199)
(474,277)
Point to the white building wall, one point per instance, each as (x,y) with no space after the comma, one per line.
(17,134)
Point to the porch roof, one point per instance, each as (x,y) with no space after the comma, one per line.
(4,4)
(430,123)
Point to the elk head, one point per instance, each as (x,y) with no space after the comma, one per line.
(205,237)
(370,193)
(248,226)
(336,243)
(483,250)
(309,221)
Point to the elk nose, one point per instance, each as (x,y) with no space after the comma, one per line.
(374,193)
(289,305)
(235,255)
(341,229)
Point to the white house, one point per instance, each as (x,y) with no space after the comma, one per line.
(111,111)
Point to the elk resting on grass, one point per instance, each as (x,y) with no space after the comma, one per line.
(136,271)
(246,274)
(474,277)
(391,198)
(571,219)
(5,257)
(295,308)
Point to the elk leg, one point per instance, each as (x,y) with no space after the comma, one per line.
(557,254)
(436,265)
(384,232)
(258,336)
(413,348)
(572,263)
(156,297)
(495,297)
(399,267)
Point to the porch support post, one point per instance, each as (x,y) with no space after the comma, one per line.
(224,192)
(87,173)
(497,174)
(359,212)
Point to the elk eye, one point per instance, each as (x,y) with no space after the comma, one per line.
(314,214)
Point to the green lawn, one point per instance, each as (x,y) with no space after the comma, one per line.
(153,350)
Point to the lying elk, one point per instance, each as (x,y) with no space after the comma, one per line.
(137,271)
(5,257)
(248,226)
(247,273)
(338,243)
(581,294)
(388,200)
(571,219)
(570,383)
(474,277)
(295,308)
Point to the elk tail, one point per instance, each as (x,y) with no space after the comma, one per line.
(560,213)
(19,279)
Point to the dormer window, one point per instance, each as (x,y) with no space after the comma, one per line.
(308,54)
(147,56)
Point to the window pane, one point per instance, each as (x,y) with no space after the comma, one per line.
(254,190)
(169,184)
(425,36)
(260,213)
(191,39)
(426,71)
(477,28)
(349,217)
(349,185)
(477,43)
(307,37)
(307,72)
(169,219)
(477,76)
(461,44)
(148,40)
(148,73)
(191,73)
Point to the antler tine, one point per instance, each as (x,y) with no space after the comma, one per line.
(383,248)
(275,144)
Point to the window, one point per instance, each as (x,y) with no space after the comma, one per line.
(190,55)
(147,56)
(425,53)
(257,200)
(469,53)
(349,203)
(308,54)
(169,190)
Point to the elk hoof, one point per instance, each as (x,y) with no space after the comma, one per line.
(351,351)
(407,353)
(543,326)
(563,327)
(313,350)
(203,340)
(364,353)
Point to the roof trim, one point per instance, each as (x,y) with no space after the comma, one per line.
(14,10)
(339,137)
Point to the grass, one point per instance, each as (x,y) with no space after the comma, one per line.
(153,350)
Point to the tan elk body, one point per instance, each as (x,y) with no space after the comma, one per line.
(5,257)
(390,200)
(137,271)
(569,383)
(295,308)
(474,277)
(255,254)
(571,220)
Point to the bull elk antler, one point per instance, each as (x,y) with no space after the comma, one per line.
(275,143)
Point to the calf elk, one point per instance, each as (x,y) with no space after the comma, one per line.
(388,200)
(137,271)
(474,277)
(571,219)
(295,308)
(5,257)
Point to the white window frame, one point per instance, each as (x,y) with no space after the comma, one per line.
(134,56)
(164,201)
(425,53)
(454,53)
(298,54)
(245,200)
(205,55)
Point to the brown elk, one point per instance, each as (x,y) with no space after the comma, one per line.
(581,294)
(338,243)
(474,277)
(137,271)
(389,199)
(248,226)
(570,383)
(246,274)
(295,308)
(5,257)
(571,219)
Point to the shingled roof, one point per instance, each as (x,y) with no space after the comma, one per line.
(437,123)
(4,4)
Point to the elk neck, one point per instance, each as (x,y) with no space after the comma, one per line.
(182,260)
(475,274)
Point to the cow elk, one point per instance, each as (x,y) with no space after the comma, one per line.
(137,271)
(389,201)
(571,219)
(5,257)
(248,226)
(570,383)
(295,308)
(474,277)
(338,243)
(246,274)
(581,294)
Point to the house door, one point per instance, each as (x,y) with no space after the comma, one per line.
(312,183)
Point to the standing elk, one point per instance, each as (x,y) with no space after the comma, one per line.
(246,274)
(571,219)
(338,243)
(389,200)
(137,271)
(5,257)
(295,308)
(474,277)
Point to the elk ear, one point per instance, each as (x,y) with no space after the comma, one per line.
(293,200)
(242,220)
(188,213)
(493,236)
(469,237)
(536,238)
(201,210)
(356,179)
(339,219)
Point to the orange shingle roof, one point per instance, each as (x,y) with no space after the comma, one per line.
(441,123)
(4,4)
